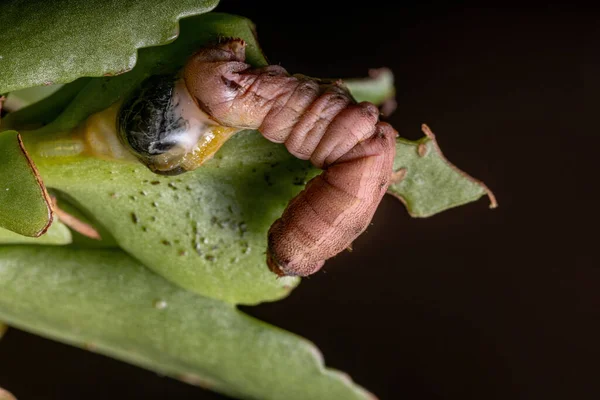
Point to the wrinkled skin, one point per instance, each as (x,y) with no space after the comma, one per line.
(316,122)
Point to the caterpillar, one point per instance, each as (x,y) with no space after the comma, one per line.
(318,121)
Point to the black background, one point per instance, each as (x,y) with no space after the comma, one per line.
(469,304)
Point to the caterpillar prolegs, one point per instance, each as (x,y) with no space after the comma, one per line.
(316,121)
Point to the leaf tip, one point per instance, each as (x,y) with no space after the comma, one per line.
(427,131)
(492,197)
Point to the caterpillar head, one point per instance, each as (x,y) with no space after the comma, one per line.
(162,125)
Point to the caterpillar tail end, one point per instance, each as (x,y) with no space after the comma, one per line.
(274,266)
(290,269)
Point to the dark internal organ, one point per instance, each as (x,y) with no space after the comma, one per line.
(162,126)
(316,122)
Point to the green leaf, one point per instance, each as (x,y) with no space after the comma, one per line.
(205,230)
(377,88)
(42,112)
(106,302)
(3,329)
(82,38)
(427,183)
(57,234)
(24,204)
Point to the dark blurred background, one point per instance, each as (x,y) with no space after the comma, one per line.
(469,304)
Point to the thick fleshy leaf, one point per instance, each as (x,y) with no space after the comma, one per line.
(106,302)
(205,230)
(427,183)
(57,234)
(24,203)
(48,42)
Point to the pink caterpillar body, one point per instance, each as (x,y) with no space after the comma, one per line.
(316,122)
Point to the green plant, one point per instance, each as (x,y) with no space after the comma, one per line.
(177,253)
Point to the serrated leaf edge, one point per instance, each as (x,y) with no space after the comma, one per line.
(430,137)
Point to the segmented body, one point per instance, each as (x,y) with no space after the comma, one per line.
(316,122)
